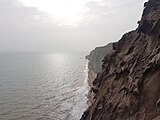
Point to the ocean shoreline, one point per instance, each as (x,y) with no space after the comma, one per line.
(91,76)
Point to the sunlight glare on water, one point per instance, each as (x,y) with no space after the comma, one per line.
(42,86)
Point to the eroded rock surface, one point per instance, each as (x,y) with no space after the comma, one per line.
(128,86)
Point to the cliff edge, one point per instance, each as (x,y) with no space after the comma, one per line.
(128,86)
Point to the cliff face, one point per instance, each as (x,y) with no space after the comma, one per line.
(95,66)
(128,86)
(96,56)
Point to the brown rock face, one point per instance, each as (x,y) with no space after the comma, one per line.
(128,87)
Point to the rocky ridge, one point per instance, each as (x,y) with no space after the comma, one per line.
(128,86)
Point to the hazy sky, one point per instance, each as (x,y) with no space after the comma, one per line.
(65,25)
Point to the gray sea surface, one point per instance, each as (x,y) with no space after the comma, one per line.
(42,86)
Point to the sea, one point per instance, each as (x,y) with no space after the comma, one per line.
(43,86)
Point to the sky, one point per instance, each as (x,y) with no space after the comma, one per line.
(65,25)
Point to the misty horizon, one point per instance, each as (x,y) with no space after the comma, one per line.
(36,26)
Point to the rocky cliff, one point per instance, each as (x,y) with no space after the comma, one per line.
(128,86)
(95,58)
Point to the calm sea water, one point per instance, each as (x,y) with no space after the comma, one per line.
(42,86)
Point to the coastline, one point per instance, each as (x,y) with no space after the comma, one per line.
(95,58)
(91,76)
